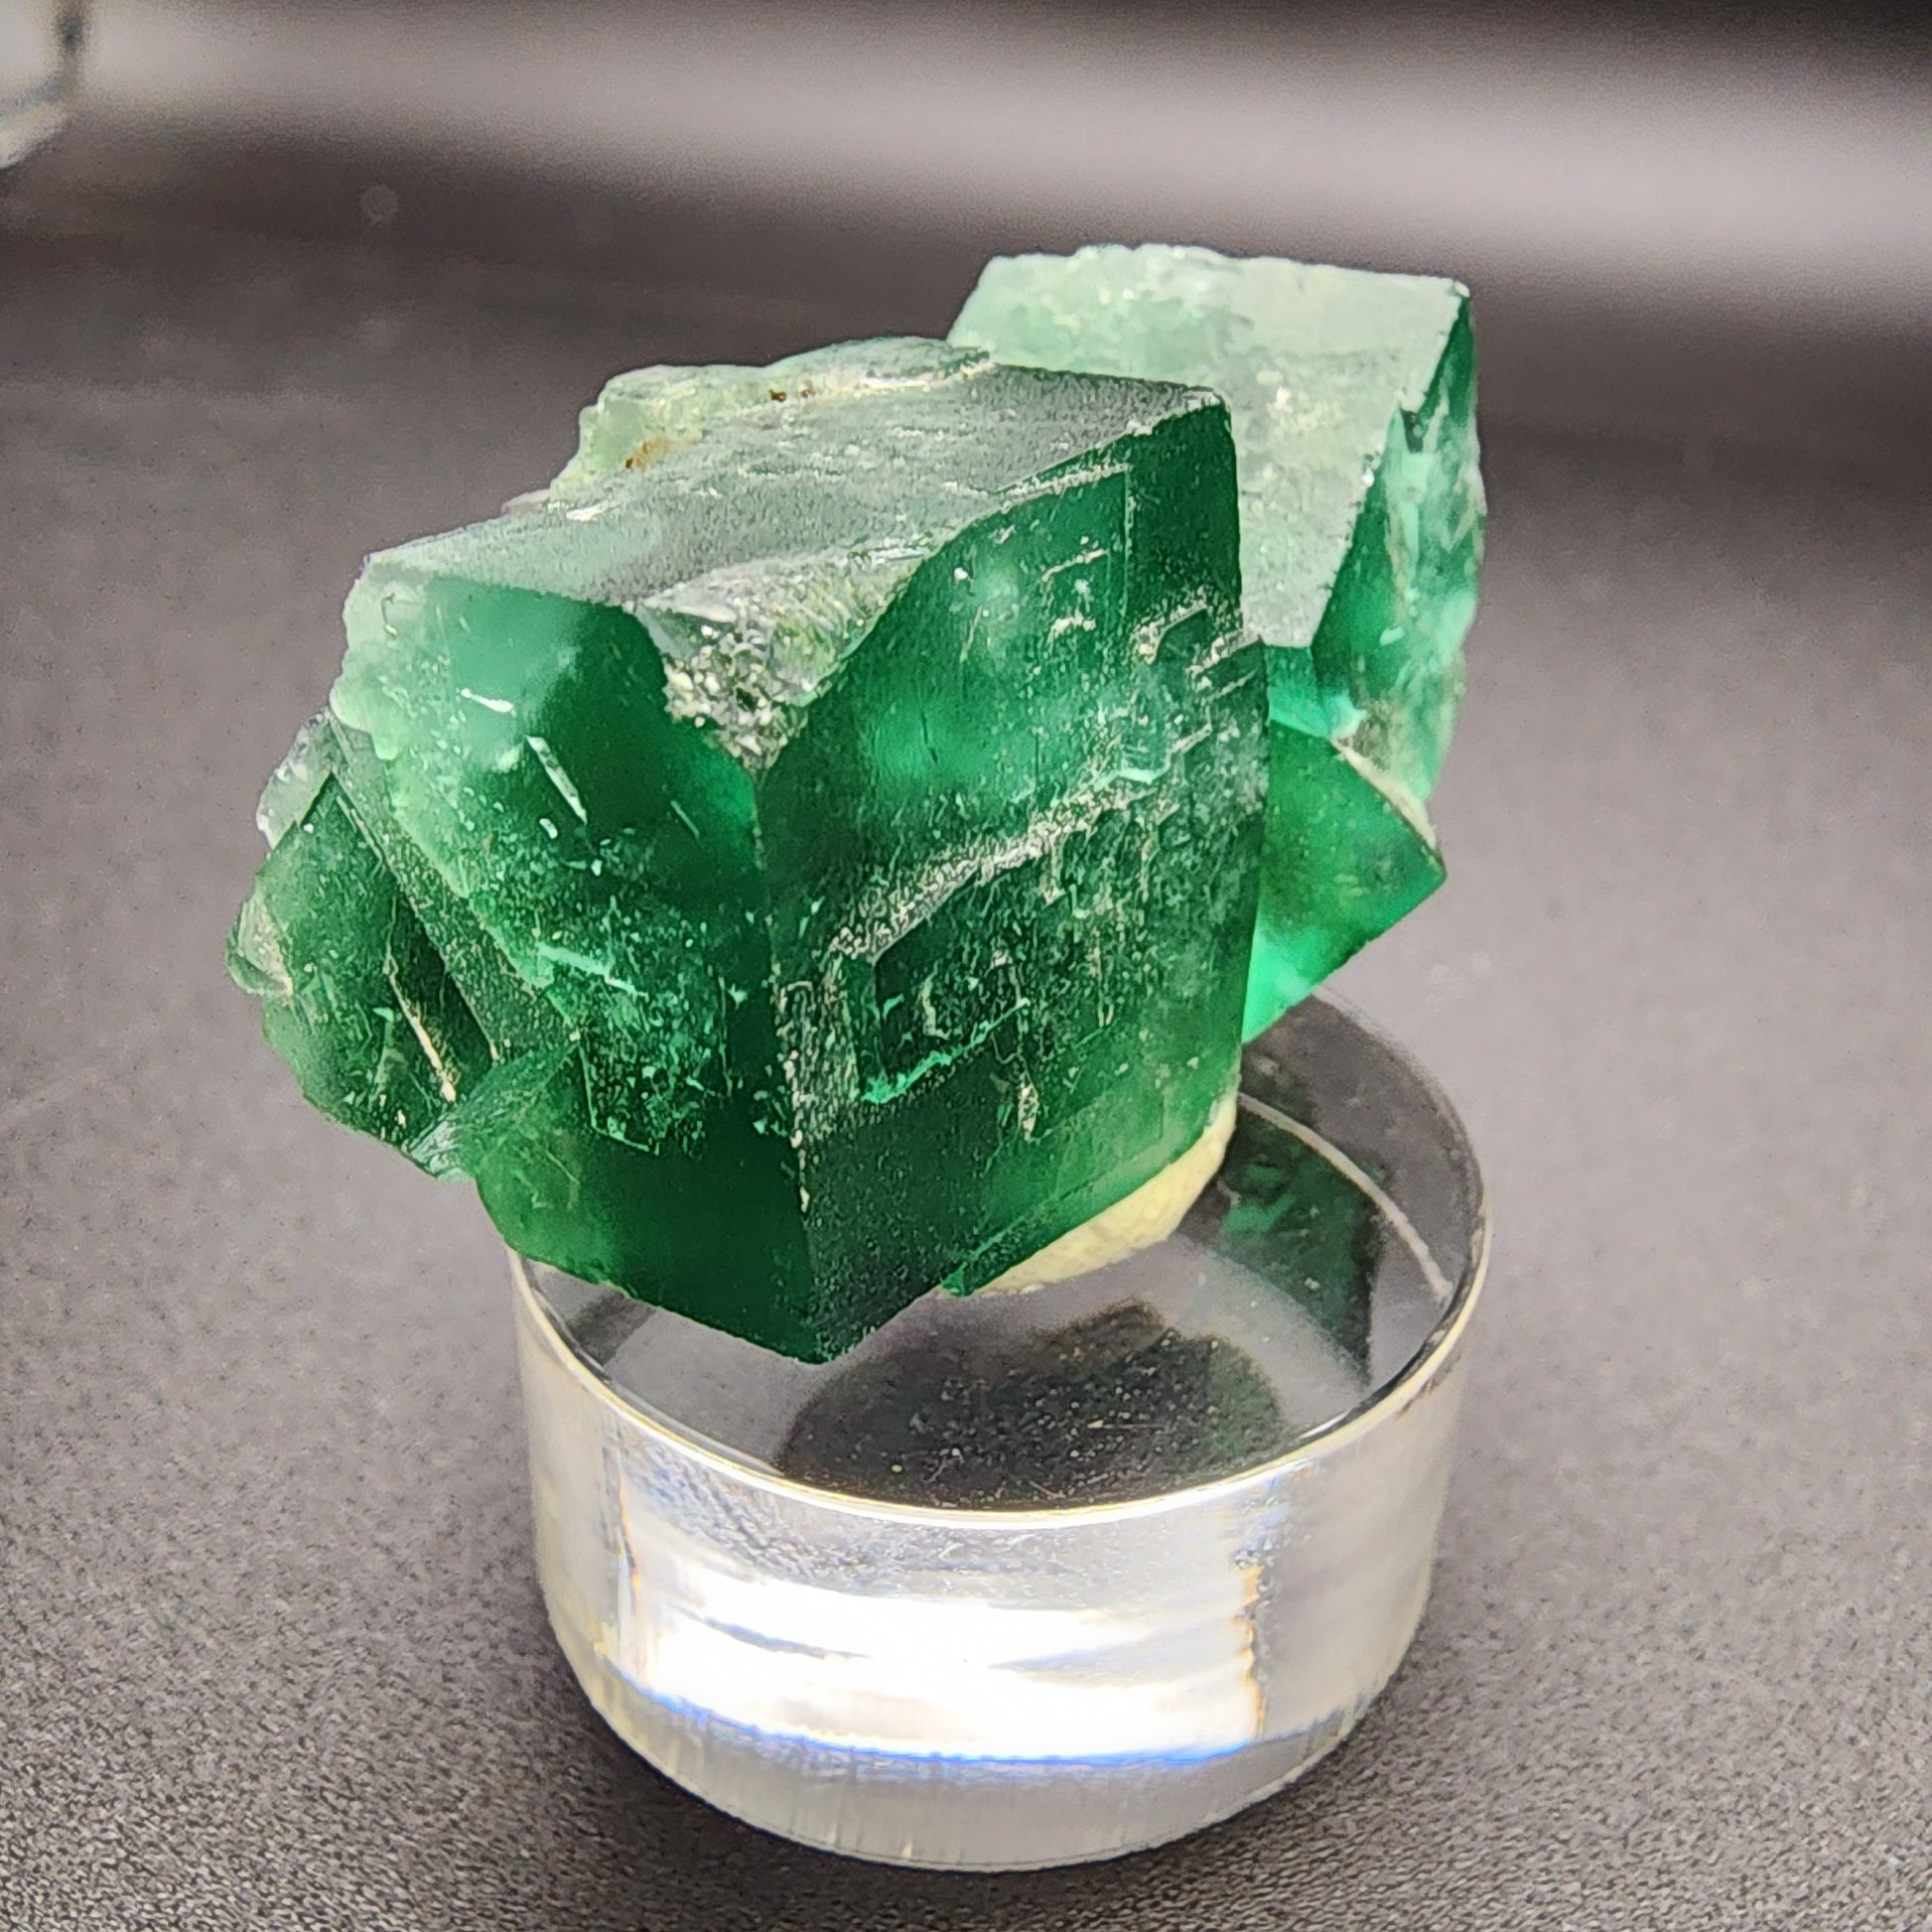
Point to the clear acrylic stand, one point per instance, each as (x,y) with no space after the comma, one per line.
(1030,1578)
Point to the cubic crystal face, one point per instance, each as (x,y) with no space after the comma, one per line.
(807,855)
(1353,400)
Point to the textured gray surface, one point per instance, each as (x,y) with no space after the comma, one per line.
(271,1652)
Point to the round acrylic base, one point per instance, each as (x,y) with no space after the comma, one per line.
(1028,1578)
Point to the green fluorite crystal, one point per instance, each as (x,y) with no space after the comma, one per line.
(830,843)
(1352,402)
(806,856)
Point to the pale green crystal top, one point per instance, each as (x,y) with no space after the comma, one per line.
(1352,400)
(1343,387)
(1313,361)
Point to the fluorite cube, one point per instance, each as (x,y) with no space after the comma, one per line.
(806,856)
(1352,400)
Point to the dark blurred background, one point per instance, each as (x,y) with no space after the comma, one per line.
(1667,211)
(298,280)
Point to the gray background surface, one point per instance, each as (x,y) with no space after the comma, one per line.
(271,1650)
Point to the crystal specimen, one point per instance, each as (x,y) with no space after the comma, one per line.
(806,856)
(1352,402)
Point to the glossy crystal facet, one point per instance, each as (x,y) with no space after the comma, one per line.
(1353,400)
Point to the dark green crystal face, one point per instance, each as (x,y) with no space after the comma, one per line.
(1352,398)
(809,856)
